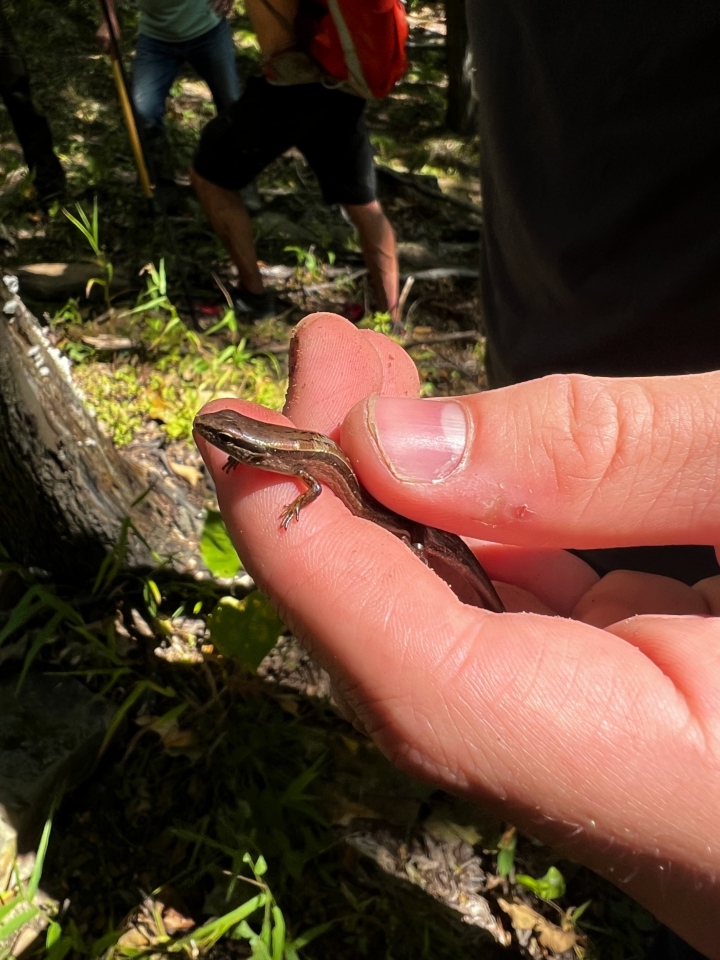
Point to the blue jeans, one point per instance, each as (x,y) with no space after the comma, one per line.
(157,63)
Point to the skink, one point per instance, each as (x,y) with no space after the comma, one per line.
(315,459)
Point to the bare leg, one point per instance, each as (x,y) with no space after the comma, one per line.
(231,221)
(377,242)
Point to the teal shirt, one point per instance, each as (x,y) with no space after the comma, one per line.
(176,20)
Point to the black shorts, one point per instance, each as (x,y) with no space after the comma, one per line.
(327,126)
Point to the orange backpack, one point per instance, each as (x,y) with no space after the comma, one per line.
(356,45)
(361,45)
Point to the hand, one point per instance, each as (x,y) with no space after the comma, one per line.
(602,742)
(221,7)
(102,36)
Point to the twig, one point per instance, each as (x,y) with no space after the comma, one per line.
(447,273)
(440,338)
(407,287)
(223,289)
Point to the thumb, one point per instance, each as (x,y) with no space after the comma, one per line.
(566,461)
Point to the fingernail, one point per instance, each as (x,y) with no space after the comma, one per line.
(420,440)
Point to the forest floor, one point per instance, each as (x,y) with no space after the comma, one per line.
(208,766)
(308,250)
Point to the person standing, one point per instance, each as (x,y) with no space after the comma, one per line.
(288,106)
(171,33)
(31,127)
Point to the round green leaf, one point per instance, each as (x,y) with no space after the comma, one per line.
(245,629)
(216,548)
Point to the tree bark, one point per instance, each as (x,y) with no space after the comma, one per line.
(461,101)
(64,488)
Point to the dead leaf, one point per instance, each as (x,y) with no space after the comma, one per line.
(445,831)
(521,915)
(134,938)
(549,934)
(175,922)
(191,475)
(553,937)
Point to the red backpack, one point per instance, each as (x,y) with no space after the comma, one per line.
(361,45)
(356,45)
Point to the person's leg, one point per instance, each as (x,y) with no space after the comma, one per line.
(234,147)
(30,126)
(212,56)
(231,222)
(377,242)
(335,141)
(155,66)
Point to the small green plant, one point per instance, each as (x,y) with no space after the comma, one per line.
(379,321)
(90,229)
(549,887)
(69,313)
(155,301)
(246,629)
(18,908)
(182,369)
(269,941)
(216,548)
(41,604)
(506,852)
(309,266)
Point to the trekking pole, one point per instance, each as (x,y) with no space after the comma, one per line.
(121,85)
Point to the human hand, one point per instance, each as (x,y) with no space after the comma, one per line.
(221,7)
(102,36)
(602,742)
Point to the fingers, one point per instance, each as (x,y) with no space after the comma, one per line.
(556,578)
(709,590)
(567,461)
(628,593)
(333,365)
(553,722)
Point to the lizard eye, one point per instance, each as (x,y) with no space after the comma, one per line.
(225,438)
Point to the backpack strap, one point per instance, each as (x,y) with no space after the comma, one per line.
(356,82)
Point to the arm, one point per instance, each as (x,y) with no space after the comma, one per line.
(221,7)
(273,22)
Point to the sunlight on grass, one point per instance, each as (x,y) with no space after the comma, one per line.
(180,371)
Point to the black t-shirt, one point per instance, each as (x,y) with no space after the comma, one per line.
(600,143)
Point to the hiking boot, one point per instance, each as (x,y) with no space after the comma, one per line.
(49,179)
(254,306)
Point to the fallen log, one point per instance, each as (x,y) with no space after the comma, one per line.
(65,491)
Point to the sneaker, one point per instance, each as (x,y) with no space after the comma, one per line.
(254,306)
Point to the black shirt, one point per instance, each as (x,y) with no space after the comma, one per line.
(600,142)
